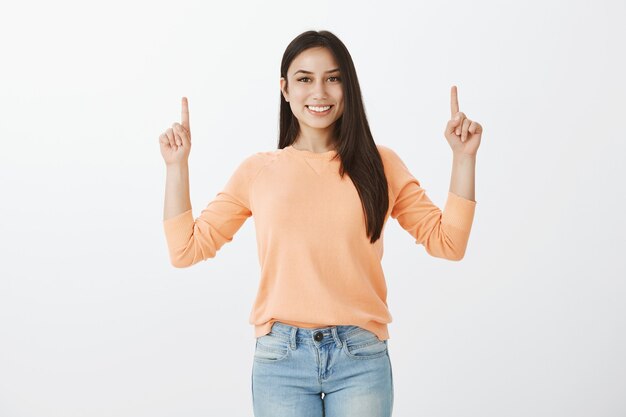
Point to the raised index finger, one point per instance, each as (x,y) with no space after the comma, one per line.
(185,115)
(454,101)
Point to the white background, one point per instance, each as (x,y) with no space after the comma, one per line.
(94,321)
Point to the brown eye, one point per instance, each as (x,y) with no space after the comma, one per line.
(303,78)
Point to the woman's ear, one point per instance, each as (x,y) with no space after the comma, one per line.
(283,88)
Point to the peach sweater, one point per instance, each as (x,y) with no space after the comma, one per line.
(318,268)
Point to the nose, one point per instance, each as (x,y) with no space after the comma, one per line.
(319,90)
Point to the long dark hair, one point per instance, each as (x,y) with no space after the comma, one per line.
(355,145)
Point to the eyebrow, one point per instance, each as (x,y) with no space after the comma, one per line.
(309,72)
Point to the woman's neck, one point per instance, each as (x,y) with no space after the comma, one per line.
(314,144)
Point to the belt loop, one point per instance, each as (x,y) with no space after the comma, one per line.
(333,331)
(292,337)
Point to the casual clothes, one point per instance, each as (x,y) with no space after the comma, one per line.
(318,267)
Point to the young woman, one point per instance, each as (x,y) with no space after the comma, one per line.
(320,202)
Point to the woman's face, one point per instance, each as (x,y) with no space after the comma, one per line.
(314,81)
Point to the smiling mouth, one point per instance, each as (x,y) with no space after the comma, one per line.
(319,109)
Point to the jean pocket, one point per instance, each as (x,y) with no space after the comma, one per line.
(271,348)
(364,344)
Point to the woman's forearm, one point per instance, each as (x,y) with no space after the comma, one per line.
(177,199)
(463,174)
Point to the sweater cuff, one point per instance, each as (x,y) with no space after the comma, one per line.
(178,229)
(459,212)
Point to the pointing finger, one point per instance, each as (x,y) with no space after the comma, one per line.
(185,115)
(454,101)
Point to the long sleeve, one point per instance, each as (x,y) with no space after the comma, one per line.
(191,241)
(443,234)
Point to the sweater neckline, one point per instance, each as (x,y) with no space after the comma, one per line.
(312,155)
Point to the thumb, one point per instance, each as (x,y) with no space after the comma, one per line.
(184,134)
(453,123)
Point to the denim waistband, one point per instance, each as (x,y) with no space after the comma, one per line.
(318,335)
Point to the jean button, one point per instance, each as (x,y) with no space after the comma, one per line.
(318,336)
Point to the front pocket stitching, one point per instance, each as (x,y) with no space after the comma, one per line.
(279,359)
(270,349)
(356,331)
(371,342)
(261,346)
(372,356)
(277,336)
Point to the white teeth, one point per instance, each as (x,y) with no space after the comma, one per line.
(319,109)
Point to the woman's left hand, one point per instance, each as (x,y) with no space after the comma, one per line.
(462,134)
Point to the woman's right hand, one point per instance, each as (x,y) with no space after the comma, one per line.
(176,141)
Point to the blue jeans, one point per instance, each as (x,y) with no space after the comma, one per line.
(334,371)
